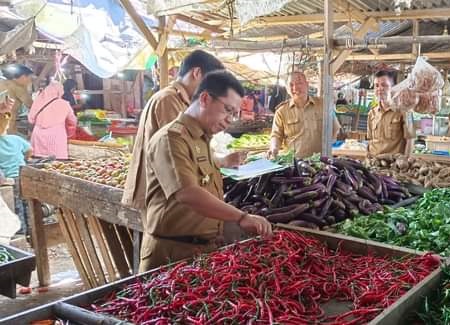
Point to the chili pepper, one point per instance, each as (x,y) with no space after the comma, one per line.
(281,280)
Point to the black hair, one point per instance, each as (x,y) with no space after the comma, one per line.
(16,70)
(390,74)
(200,59)
(217,84)
(69,84)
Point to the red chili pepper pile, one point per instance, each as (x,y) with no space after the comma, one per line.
(283,280)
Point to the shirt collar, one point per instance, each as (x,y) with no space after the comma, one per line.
(309,102)
(182,92)
(192,125)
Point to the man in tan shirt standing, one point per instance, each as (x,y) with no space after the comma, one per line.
(184,198)
(18,80)
(388,131)
(298,121)
(162,108)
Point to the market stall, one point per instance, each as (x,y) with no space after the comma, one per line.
(98,230)
(275,299)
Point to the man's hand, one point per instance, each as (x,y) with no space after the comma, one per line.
(233,160)
(272,153)
(7,105)
(256,224)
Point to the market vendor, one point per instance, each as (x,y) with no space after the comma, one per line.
(18,81)
(298,121)
(388,131)
(184,206)
(162,108)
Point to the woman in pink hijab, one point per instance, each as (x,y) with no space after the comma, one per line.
(54,122)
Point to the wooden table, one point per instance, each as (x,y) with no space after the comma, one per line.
(102,235)
(355,154)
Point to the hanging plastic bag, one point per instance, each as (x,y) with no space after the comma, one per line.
(429,103)
(425,78)
(403,98)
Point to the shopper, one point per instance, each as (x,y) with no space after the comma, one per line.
(54,122)
(185,209)
(17,84)
(70,86)
(298,121)
(14,151)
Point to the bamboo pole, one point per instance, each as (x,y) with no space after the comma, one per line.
(163,58)
(327,79)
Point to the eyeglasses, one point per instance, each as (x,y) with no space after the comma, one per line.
(229,110)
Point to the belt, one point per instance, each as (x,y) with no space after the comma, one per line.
(187,239)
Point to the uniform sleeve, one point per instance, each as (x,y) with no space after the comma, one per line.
(408,126)
(166,110)
(278,127)
(24,144)
(172,164)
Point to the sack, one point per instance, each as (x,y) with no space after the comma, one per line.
(403,98)
(425,78)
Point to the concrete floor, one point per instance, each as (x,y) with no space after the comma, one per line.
(65,282)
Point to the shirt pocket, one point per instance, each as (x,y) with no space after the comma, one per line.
(394,129)
(294,127)
(205,174)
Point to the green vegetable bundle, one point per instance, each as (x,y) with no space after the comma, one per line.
(425,226)
(249,141)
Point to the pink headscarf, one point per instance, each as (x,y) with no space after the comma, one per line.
(55,113)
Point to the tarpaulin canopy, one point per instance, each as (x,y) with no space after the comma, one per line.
(15,32)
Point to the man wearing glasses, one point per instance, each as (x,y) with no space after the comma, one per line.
(184,206)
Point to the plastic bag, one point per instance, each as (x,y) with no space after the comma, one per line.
(425,78)
(403,98)
(429,103)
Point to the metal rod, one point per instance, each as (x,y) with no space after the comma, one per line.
(84,316)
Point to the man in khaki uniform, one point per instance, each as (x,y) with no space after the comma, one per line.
(185,210)
(298,121)
(19,78)
(162,108)
(388,131)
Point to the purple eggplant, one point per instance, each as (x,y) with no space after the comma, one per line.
(304,224)
(313,187)
(350,179)
(302,198)
(325,208)
(303,181)
(285,217)
(367,193)
(311,218)
(330,183)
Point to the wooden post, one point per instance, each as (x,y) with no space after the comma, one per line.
(415,32)
(327,79)
(39,242)
(163,58)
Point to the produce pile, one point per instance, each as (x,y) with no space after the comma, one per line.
(425,226)
(283,280)
(251,141)
(315,193)
(108,171)
(5,255)
(412,170)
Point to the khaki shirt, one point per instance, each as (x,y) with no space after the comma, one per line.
(300,128)
(179,156)
(20,95)
(162,108)
(387,131)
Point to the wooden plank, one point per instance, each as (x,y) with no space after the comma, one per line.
(78,195)
(78,243)
(39,241)
(90,248)
(127,243)
(139,22)
(196,22)
(72,249)
(164,36)
(136,250)
(343,54)
(328,79)
(99,238)
(163,59)
(115,248)
(415,32)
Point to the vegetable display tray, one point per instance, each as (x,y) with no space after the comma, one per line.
(17,271)
(71,308)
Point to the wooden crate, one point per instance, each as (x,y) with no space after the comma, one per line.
(395,314)
(435,143)
(98,230)
(17,271)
